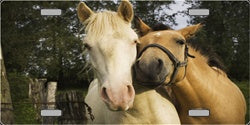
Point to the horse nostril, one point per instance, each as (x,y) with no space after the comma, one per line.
(104,94)
(160,62)
(130,90)
(160,65)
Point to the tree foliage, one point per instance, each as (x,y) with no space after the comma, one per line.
(226,29)
(42,46)
(50,46)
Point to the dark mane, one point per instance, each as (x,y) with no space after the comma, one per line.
(213,59)
(160,26)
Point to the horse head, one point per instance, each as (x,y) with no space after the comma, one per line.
(111,44)
(162,55)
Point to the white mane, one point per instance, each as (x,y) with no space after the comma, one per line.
(98,24)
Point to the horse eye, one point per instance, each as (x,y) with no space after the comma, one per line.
(181,42)
(87,46)
(135,41)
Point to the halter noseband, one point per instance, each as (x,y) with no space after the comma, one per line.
(175,61)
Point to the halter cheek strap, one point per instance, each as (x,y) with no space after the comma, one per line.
(177,64)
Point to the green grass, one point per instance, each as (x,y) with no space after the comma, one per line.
(244,87)
(24,111)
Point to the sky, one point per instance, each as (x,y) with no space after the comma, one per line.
(180,20)
(179,5)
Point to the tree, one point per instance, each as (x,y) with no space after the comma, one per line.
(6,102)
(43,46)
(50,46)
(226,29)
(153,12)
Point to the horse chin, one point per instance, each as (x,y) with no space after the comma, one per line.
(111,107)
(149,80)
(151,83)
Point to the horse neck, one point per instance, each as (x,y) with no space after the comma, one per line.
(148,96)
(148,105)
(198,82)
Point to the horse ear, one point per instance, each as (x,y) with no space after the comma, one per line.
(83,11)
(125,10)
(190,31)
(141,26)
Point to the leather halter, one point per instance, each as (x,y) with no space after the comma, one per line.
(175,61)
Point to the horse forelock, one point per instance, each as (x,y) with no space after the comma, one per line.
(160,26)
(102,23)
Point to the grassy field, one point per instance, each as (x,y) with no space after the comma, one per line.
(244,87)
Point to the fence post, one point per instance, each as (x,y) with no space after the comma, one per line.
(51,94)
(36,87)
(50,99)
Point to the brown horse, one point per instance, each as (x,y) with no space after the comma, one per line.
(164,59)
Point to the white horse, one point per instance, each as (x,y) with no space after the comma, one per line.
(111,43)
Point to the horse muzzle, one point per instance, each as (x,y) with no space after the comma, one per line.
(118,99)
(151,72)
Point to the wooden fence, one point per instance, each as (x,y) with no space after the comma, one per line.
(42,96)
